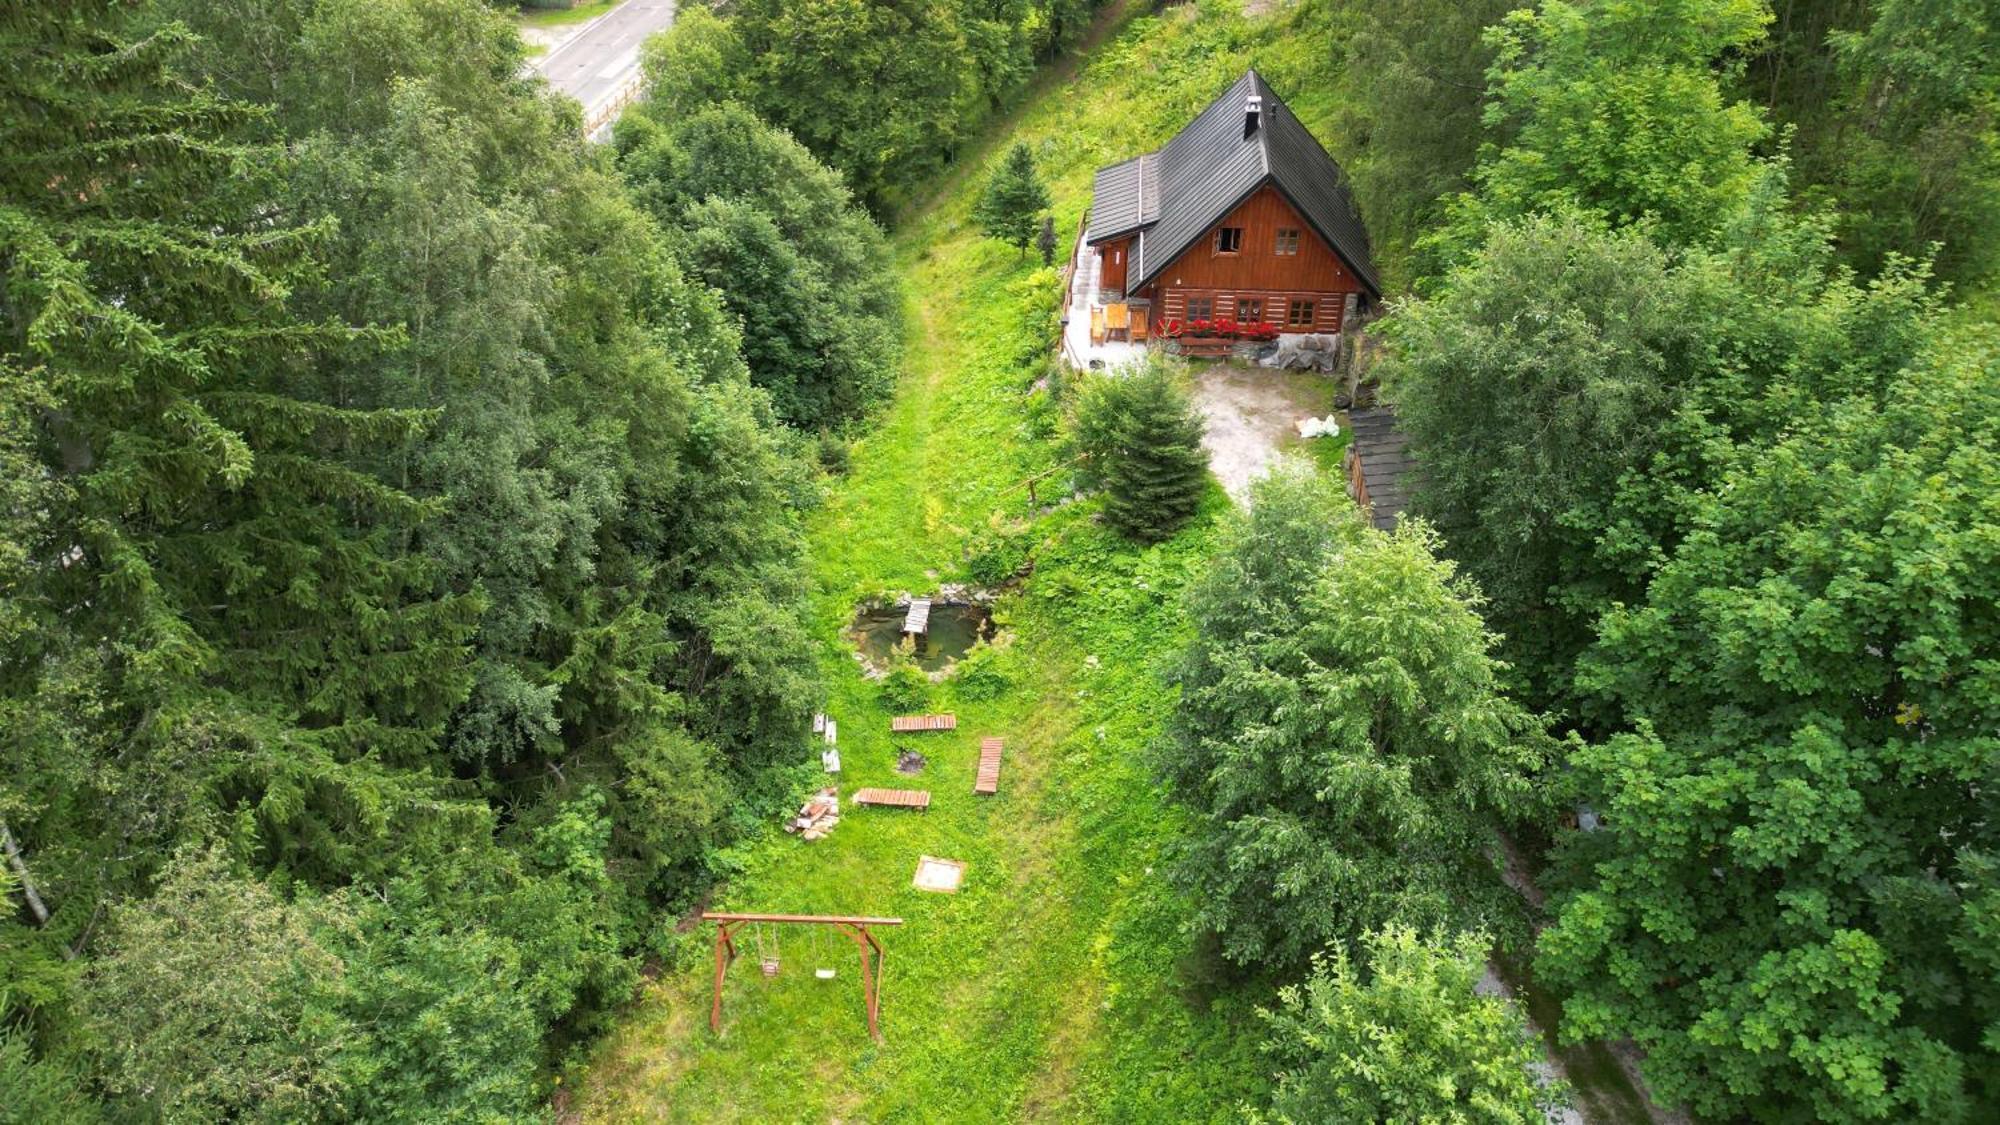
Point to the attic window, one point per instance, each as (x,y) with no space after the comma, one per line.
(1288,241)
(1228,240)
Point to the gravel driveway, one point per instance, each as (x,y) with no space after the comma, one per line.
(1253,416)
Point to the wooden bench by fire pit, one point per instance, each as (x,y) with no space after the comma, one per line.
(919,799)
(912,724)
(987,782)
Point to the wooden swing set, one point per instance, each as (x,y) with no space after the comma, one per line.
(854,926)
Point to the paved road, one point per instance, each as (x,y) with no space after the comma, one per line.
(600,63)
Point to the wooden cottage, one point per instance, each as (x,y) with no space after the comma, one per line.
(1242,216)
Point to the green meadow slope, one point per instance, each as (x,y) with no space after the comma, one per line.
(1048,987)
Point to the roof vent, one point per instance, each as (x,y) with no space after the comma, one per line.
(1253,110)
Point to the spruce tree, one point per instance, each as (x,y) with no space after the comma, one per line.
(1046,241)
(1013,201)
(1140,438)
(236,608)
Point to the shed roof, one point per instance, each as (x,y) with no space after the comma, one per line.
(1386,465)
(1171,197)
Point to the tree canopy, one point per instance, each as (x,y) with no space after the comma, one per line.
(404,586)
(1406,1039)
(886,93)
(1341,743)
(757,219)
(1795,880)
(1728,495)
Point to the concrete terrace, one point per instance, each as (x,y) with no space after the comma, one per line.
(1084,295)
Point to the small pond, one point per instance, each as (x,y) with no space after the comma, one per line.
(955,628)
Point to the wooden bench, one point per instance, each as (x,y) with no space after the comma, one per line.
(915,724)
(894,798)
(988,781)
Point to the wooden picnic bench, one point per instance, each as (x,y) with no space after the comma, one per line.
(1096,325)
(988,781)
(894,798)
(912,724)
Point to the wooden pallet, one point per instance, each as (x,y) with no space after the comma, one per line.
(988,781)
(911,724)
(918,619)
(894,798)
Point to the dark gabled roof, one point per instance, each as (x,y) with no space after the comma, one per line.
(1125,197)
(1210,167)
(1386,466)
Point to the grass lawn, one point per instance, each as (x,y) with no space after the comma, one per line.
(1048,987)
(1054,985)
(559,17)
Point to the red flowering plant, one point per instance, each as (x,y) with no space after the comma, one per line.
(1225,327)
(1201,327)
(1263,331)
(1172,327)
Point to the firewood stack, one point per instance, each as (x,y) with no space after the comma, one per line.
(817,816)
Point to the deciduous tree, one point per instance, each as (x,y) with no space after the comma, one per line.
(1341,743)
(1399,1034)
(1619,110)
(1792,901)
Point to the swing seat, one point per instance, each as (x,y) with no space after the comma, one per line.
(770,966)
(824,974)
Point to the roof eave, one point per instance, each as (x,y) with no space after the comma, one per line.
(1364,276)
(1096,239)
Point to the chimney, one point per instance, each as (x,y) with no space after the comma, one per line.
(1253,110)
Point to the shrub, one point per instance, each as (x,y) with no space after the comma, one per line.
(979,675)
(833,453)
(1409,1040)
(997,556)
(905,688)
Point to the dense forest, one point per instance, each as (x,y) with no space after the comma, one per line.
(407,590)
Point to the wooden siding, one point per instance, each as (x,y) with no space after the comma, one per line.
(1258,267)
(1327,306)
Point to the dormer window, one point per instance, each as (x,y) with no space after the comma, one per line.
(1228,240)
